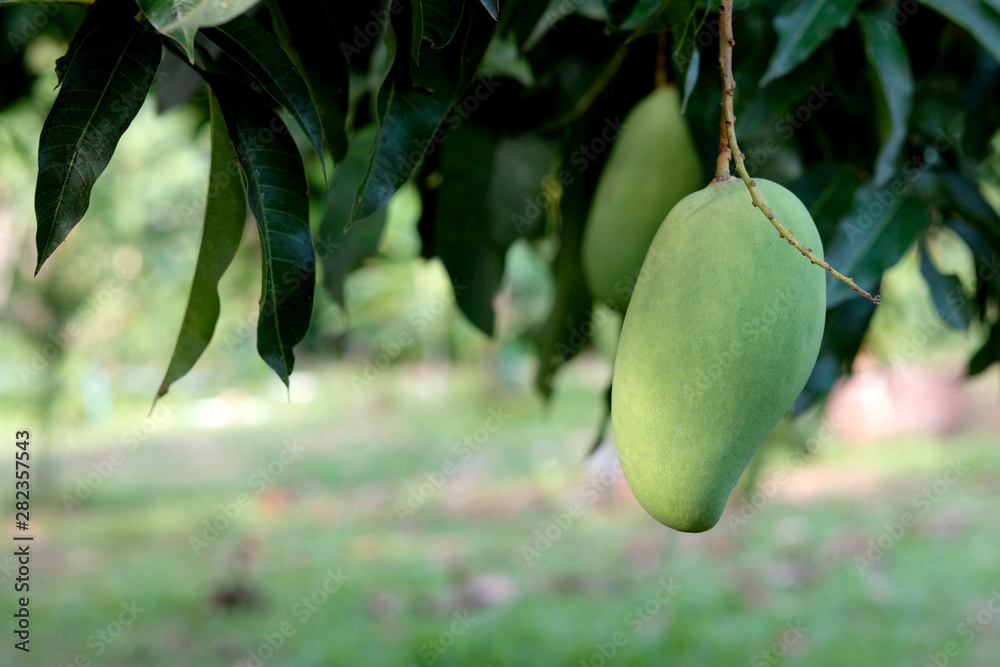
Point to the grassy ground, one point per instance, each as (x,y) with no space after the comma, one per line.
(407,524)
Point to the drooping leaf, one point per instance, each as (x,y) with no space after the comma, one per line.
(953,305)
(872,239)
(276,190)
(487,181)
(493,7)
(181,19)
(802,27)
(409,119)
(225,215)
(887,56)
(340,248)
(978,18)
(309,28)
(104,87)
(253,47)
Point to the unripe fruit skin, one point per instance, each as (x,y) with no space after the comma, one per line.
(653,164)
(722,332)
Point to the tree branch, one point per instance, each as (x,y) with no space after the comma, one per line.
(728,146)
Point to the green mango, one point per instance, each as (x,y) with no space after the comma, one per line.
(652,166)
(722,332)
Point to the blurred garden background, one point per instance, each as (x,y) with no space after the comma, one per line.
(411,499)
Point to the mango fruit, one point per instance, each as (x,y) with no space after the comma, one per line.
(721,334)
(652,165)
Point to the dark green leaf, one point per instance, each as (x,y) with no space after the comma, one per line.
(246,42)
(493,7)
(887,55)
(436,22)
(225,215)
(342,248)
(981,21)
(988,354)
(953,305)
(276,189)
(872,239)
(97,14)
(683,16)
(326,69)
(181,19)
(104,88)
(967,200)
(487,181)
(410,119)
(802,26)
(618,10)
(846,325)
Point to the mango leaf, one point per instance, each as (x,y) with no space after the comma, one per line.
(872,239)
(969,203)
(846,325)
(342,248)
(99,13)
(618,10)
(326,69)
(436,22)
(260,54)
(978,19)
(988,354)
(276,189)
(225,215)
(953,305)
(409,119)
(802,27)
(181,19)
(102,92)
(487,180)
(887,55)
(493,7)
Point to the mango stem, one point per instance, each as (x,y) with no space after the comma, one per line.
(728,146)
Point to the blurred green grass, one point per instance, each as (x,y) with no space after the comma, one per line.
(332,510)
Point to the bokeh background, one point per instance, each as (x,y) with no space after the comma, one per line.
(435,510)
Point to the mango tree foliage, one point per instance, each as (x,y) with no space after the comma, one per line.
(877,115)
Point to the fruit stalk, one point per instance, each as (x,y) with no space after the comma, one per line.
(728,146)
